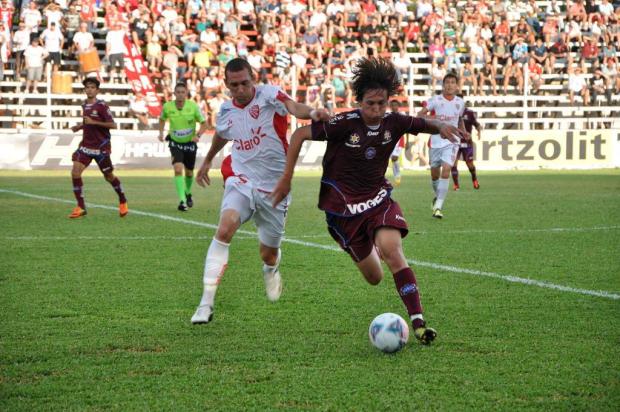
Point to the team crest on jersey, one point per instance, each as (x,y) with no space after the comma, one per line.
(354,140)
(387,137)
(371,152)
(254,111)
(93,113)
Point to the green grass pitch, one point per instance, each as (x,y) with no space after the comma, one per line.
(521,279)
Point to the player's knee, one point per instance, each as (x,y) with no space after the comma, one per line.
(373,278)
(109,176)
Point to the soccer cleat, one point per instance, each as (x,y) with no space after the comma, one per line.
(397,181)
(183,207)
(425,335)
(204,314)
(437,214)
(123,209)
(77,212)
(456,187)
(190,201)
(273,285)
(476,184)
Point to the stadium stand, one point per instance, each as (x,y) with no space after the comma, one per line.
(523,64)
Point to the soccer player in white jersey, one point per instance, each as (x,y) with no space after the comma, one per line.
(448,108)
(255,120)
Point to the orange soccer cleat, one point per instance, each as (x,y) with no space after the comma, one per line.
(456,187)
(476,184)
(77,213)
(123,209)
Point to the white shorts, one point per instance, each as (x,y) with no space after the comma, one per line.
(240,195)
(441,155)
(397,151)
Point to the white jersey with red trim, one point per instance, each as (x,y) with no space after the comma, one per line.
(447,111)
(258,133)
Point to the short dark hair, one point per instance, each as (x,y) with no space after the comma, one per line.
(372,74)
(451,75)
(180,84)
(92,80)
(238,64)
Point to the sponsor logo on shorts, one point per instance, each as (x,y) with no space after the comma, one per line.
(399,217)
(408,289)
(90,152)
(371,152)
(356,208)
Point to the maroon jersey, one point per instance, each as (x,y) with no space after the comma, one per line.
(469,119)
(356,159)
(96,137)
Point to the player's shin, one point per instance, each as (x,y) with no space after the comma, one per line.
(215,265)
(442,191)
(77,191)
(407,287)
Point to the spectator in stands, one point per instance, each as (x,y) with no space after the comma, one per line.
(469,78)
(34,56)
(139,29)
(609,52)
(341,88)
(606,10)
(313,94)
(523,31)
(313,43)
(540,55)
(610,71)
(577,12)
(231,25)
(138,109)
(590,52)
(438,72)
(88,14)
(535,70)
(5,47)
(559,54)
(501,56)
(403,64)
(486,75)
(551,29)
(245,10)
(577,84)
(599,85)
(115,51)
(270,41)
(21,40)
(53,40)
(70,24)
(53,14)
(437,52)
(514,69)
(32,18)
(283,61)
(154,55)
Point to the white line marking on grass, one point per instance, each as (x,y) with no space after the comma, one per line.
(454,269)
(141,238)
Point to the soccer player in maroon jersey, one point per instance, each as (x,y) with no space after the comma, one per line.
(355,195)
(95,145)
(466,149)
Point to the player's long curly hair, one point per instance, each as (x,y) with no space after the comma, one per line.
(372,74)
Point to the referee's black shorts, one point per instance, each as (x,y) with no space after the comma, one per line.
(183,153)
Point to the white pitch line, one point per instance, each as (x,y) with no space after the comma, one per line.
(454,269)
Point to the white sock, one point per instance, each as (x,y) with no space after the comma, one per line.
(215,265)
(396,168)
(442,192)
(435,183)
(270,270)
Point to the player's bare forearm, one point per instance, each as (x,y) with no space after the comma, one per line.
(283,187)
(217,144)
(303,111)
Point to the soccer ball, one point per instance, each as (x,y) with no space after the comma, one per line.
(388,332)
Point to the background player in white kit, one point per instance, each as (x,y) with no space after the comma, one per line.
(395,156)
(255,120)
(448,108)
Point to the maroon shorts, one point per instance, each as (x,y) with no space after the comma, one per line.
(356,235)
(466,153)
(85,155)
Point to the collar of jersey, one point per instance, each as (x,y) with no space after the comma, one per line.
(246,105)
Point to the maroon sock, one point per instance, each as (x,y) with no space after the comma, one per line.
(77,191)
(472,170)
(407,288)
(455,175)
(116,184)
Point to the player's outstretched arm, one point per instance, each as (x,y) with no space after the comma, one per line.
(202,177)
(303,111)
(446,131)
(283,187)
(77,127)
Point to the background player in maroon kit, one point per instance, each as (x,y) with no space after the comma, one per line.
(355,195)
(95,145)
(466,150)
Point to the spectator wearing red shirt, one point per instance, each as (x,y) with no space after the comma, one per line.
(590,51)
(503,30)
(577,11)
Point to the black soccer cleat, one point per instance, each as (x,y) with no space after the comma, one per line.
(425,335)
(190,201)
(183,207)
